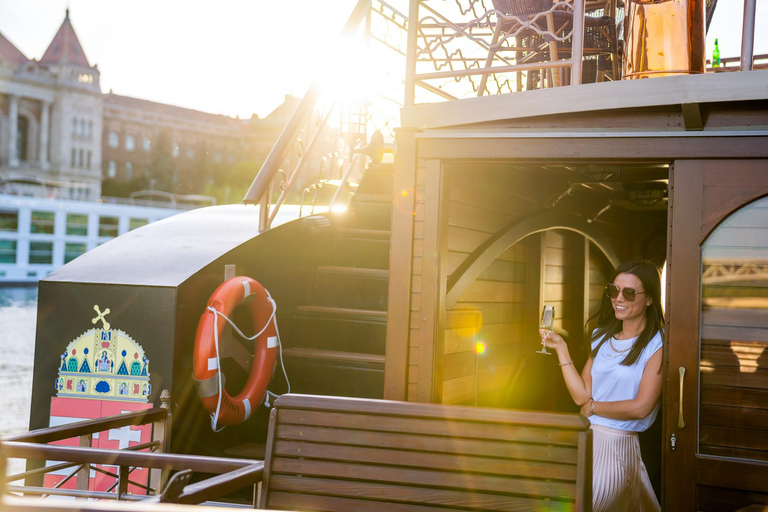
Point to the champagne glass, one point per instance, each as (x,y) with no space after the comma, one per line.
(547,323)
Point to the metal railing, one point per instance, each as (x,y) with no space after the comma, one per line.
(381,24)
(232,474)
(457,48)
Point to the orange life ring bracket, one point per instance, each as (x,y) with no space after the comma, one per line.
(209,380)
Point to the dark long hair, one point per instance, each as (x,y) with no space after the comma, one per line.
(607,323)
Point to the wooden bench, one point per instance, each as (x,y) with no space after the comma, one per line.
(339,454)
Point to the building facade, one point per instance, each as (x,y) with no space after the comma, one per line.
(61,137)
(50,120)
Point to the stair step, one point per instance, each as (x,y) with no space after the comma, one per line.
(365,234)
(352,287)
(360,252)
(373,273)
(372,198)
(326,312)
(337,356)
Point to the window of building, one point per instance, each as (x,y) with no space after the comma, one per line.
(112,169)
(89,133)
(130,143)
(77,224)
(137,223)
(22,133)
(175,150)
(80,158)
(146,144)
(72,251)
(74,126)
(82,127)
(7,251)
(73,158)
(231,158)
(42,223)
(108,226)
(217,157)
(114,140)
(190,153)
(9,221)
(41,253)
(88,160)
(128,170)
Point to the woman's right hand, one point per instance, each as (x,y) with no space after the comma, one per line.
(551,339)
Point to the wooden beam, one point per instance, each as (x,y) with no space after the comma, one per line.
(433,281)
(692,116)
(484,255)
(595,149)
(400,268)
(672,90)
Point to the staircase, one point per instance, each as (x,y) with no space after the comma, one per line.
(338,345)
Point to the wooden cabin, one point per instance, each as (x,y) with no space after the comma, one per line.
(430,287)
(532,199)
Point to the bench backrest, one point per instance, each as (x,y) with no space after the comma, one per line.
(338,454)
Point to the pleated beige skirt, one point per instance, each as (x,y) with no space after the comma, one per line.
(620,481)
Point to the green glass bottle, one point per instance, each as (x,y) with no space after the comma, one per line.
(716,56)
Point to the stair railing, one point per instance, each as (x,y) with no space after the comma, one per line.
(297,170)
(259,189)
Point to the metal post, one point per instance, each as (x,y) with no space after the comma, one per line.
(748,35)
(577,41)
(410,59)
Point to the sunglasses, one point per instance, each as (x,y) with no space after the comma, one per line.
(612,291)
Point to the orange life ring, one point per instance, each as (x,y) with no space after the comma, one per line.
(229,295)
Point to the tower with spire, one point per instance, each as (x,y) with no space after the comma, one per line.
(50,128)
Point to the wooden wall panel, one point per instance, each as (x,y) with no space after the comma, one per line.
(481,204)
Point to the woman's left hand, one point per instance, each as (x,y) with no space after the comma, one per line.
(585,409)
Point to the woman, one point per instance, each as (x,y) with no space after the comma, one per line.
(620,385)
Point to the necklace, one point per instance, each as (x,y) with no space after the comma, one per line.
(610,342)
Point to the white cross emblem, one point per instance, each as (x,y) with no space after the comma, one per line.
(101,317)
(124,436)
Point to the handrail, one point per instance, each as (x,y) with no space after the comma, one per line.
(277,154)
(13,449)
(81,428)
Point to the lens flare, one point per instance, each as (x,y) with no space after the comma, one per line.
(479,348)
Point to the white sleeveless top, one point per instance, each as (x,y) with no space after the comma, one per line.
(612,382)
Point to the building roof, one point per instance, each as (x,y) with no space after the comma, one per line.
(10,53)
(65,47)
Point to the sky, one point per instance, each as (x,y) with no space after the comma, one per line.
(232,57)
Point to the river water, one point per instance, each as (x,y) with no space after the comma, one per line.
(18,312)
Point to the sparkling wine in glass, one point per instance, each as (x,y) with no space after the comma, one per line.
(547,323)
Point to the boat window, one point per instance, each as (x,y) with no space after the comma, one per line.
(77,224)
(72,251)
(41,253)
(9,221)
(42,223)
(137,223)
(734,336)
(108,226)
(7,251)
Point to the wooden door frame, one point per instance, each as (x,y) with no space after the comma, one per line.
(697,192)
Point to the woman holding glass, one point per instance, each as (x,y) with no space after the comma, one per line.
(620,386)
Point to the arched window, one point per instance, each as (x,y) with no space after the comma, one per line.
(135,368)
(734,335)
(72,366)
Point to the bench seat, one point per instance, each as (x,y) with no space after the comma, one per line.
(339,454)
